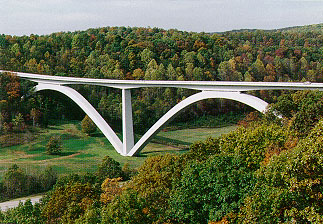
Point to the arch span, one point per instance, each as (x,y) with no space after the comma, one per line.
(252,101)
(88,109)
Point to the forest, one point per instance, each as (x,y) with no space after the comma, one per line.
(269,170)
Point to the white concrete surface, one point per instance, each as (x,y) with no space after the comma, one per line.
(198,85)
(127,123)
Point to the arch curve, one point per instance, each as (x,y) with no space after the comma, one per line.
(88,109)
(252,101)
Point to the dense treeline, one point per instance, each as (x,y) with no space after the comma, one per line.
(269,170)
(157,54)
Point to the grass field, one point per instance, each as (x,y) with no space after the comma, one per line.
(82,153)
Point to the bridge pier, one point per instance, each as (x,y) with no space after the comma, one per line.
(127,124)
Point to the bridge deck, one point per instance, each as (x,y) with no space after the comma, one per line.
(197,85)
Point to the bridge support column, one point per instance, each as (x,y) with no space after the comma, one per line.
(127,124)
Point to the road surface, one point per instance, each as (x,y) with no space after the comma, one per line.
(4,206)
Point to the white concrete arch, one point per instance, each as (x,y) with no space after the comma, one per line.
(88,109)
(252,101)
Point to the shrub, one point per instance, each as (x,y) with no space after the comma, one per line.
(54,145)
(88,125)
(109,168)
(47,179)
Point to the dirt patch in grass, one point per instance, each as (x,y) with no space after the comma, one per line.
(22,155)
(19,155)
(61,157)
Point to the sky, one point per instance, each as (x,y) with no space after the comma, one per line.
(25,17)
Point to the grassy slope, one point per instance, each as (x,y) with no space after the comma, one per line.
(82,153)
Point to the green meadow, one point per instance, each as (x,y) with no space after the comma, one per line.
(82,153)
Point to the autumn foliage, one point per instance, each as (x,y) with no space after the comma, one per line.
(268,170)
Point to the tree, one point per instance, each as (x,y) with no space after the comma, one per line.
(255,143)
(109,168)
(258,70)
(303,109)
(171,72)
(88,125)
(154,183)
(138,74)
(129,207)
(48,178)
(210,191)
(18,122)
(25,213)
(110,188)
(54,145)
(69,202)
(35,114)
(289,187)
(14,182)
(146,56)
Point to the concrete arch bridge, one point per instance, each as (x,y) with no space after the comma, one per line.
(208,89)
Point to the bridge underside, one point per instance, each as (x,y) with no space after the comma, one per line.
(127,146)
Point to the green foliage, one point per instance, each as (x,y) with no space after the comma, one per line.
(128,208)
(144,53)
(211,190)
(154,182)
(290,187)
(18,122)
(69,202)
(88,126)
(16,182)
(76,178)
(202,150)
(25,213)
(91,216)
(54,145)
(48,178)
(212,181)
(109,168)
(207,121)
(303,109)
(255,142)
